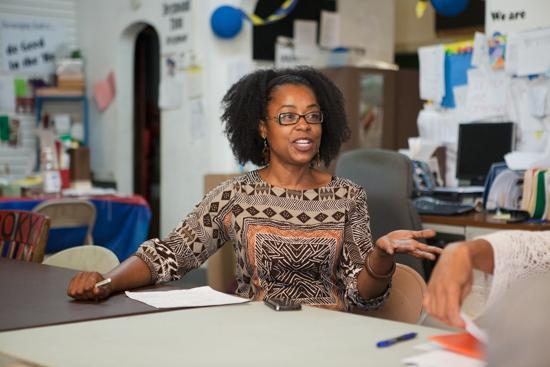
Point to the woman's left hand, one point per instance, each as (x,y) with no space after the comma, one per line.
(404,241)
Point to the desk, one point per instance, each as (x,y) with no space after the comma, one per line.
(474,224)
(122,223)
(237,335)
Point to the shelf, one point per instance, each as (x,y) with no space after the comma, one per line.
(39,101)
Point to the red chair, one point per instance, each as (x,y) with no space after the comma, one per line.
(23,235)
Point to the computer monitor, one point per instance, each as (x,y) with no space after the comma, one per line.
(480,145)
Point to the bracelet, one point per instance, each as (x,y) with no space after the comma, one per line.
(374,274)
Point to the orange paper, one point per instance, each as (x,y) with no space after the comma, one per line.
(104,91)
(462,343)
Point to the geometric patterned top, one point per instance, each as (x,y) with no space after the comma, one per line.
(304,245)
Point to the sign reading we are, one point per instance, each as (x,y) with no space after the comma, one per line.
(507,16)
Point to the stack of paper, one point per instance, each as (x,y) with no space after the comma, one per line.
(463,349)
(536,189)
(505,191)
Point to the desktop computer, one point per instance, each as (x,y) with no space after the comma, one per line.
(480,145)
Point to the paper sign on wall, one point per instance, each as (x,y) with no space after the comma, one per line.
(104,91)
(432,72)
(29,44)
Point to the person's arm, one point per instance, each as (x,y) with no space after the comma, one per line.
(380,264)
(451,280)
(156,260)
(374,265)
(131,273)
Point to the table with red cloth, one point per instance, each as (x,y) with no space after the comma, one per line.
(122,223)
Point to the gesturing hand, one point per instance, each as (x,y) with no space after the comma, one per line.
(82,287)
(404,241)
(450,282)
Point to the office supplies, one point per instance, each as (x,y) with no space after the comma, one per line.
(463,343)
(392,341)
(430,205)
(103,283)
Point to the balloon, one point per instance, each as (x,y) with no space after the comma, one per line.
(226,21)
(450,8)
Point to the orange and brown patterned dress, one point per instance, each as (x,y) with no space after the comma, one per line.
(304,245)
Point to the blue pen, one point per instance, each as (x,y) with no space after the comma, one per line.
(392,341)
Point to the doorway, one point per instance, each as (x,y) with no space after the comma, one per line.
(147,123)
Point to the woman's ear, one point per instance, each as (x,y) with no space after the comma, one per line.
(263,129)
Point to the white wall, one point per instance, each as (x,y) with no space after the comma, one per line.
(106,32)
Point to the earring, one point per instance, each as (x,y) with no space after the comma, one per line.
(318,159)
(265,152)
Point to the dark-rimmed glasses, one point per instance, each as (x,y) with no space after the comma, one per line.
(291,118)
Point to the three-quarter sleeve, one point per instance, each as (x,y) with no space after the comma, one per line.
(517,255)
(194,239)
(357,244)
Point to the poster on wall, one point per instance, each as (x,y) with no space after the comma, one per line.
(507,16)
(29,44)
(176,17)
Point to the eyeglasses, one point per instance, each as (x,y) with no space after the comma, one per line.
(291,118)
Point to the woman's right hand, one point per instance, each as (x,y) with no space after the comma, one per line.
(82,287)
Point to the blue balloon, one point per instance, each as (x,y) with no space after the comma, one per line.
(226,21)
(450,8)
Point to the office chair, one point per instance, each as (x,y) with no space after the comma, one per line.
(405,300)
(68,213)
(24,235)
(84,258)
(386,176)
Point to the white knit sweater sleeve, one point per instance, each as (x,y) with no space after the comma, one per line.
(517,254)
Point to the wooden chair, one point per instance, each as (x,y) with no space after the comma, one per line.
(68,212)
(84,258)
(23,235)
(405,301)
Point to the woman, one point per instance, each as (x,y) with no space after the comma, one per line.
(300,234)
(509,256)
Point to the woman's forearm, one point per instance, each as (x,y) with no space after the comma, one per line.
(131,273)
(481,255)
(381,264)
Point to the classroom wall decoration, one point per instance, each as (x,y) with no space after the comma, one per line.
(29,44)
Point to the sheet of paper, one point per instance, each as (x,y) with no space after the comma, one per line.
(441,358)
(536,99)
(7,93)
(432,72)
(305,37)
(486,95)
(330,29)
(170,93)
(473,329)
(194,297)
(198,122)
(511,53)
(104,91)
(480,55)
(534,52)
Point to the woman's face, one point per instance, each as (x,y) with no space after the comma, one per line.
(291,144)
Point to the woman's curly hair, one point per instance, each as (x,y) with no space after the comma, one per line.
(245,105)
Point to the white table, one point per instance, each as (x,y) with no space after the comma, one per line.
(238,335)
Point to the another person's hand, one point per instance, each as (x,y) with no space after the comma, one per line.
(82,287)
(404,241)
(450,282)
